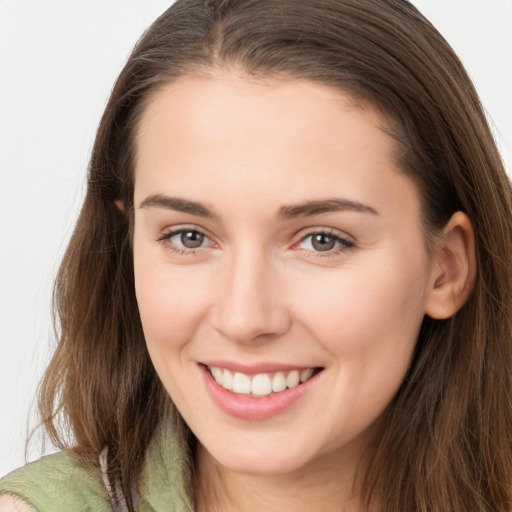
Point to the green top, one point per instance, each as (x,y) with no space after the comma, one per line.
(60,483)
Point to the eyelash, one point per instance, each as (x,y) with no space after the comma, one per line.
(165,239)
(344,244)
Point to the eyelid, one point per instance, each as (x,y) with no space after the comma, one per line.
(166,234)
(313,230)
(345,239)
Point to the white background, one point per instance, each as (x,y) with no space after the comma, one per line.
(58,61)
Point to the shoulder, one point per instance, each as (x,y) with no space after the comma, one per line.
(59,482)
(13,504)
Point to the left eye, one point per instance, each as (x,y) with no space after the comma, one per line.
(323,242)
(189,239)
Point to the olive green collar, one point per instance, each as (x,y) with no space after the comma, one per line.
(166,478)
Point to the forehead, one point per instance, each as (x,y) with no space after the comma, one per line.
(259,135)
(273,99)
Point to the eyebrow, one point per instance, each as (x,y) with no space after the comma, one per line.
(312,208)
(177,204)
(306,209)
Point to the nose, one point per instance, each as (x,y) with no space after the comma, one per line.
(250,306)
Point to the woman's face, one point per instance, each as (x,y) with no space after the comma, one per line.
(275,239)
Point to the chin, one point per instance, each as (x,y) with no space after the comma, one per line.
(258,461)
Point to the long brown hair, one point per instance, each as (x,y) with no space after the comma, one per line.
(447,442)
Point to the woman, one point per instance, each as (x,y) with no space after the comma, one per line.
(290,284)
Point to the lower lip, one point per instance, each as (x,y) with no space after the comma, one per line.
(251,408)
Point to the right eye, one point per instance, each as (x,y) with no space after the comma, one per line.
(188,239)
(185,240)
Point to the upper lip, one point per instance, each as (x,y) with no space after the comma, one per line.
(263,367)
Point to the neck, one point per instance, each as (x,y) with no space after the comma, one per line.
(325,484)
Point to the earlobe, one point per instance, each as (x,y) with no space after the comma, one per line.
(120,205)
(453,268)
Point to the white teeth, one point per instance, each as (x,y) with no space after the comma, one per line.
(293,379)
(217,374)
(306,374)
(241,384)
(227,380)
(278,382)
(259,385)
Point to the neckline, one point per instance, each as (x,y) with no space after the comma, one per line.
(166,477)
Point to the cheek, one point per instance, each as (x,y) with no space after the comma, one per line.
(367,319)
(365,311)
(171,301)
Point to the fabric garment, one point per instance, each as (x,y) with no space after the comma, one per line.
(60,483)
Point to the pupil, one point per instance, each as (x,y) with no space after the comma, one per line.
(192,239)
(323,242)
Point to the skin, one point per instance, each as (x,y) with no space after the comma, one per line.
(258,290)
(11,504)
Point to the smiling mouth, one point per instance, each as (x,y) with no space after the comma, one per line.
(262,384)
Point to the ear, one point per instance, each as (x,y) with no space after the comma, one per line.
(453,268)
(120,205)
